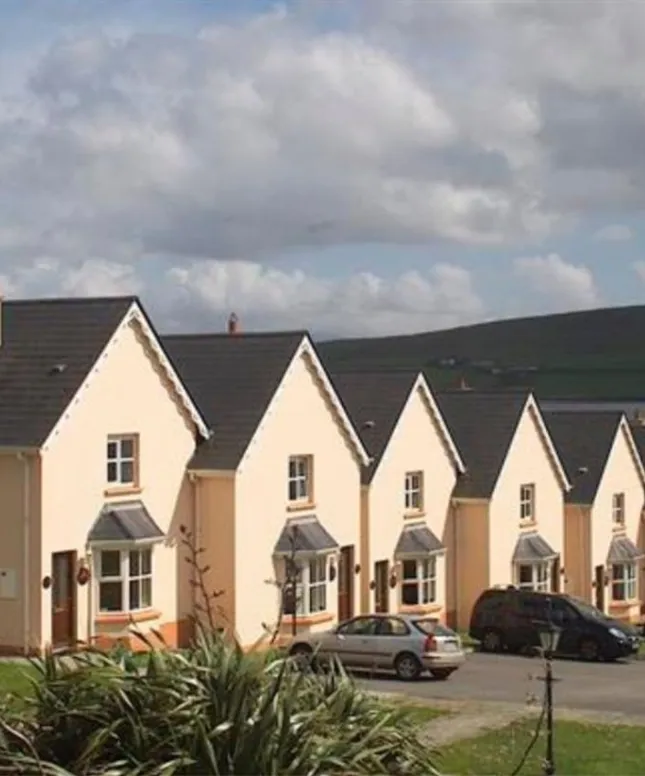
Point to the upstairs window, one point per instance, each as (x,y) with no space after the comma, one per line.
(618,509)
(300,483)
(527,502)
(414,491)
(122,466)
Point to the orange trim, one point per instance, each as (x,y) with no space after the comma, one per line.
(304,506)
(124,618)
(126,490)
(620,605)
(414,514)
(618,528)
(312,619)
(428,609)
(530,522)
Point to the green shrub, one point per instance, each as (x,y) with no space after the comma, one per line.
(208,710)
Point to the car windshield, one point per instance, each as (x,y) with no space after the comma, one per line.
(432,627)
(587,609)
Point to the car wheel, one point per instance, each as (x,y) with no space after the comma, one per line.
(302,656)
(492,641)
(589,650)
(441,674)
(407,667)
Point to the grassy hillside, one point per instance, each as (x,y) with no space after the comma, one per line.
(589,354)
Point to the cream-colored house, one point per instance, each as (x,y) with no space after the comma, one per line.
(277,485)
(603,537)
(507,520)
(96,430)
(405,493)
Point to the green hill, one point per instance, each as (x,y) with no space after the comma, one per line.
(590,354)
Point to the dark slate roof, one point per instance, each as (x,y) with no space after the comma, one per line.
(232,378)
(376,397)
(126,521)
(38,338)
(417,539)
(583,439)
(482,426)
(638,432)
(304,535)
(531,548)
(623,550)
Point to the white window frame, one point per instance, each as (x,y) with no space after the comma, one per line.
(125,578)
(425,580)
(541,573)
(413,496)
(312,586)
(300,476)
(527,502)
(618,509)
(116,458)
(624,575)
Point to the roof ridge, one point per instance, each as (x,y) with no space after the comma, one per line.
(239,335)
(72,299)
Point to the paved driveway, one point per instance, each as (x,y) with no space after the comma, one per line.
(610,687)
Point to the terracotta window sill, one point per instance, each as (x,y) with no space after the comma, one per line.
(624,604)
(311,619)
(424,609)
(301,506)
(618,528)
(414,514)
(125,618)
(528,523)
(123,490)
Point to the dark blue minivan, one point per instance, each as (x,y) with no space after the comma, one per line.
(511,619)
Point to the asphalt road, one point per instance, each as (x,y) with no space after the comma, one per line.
(610,687)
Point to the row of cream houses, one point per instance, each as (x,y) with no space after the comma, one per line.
(386,495)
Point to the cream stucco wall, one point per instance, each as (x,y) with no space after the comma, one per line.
(526,462)
(620,475)
(299,421)
(415,445)
(19,544)
(127,394)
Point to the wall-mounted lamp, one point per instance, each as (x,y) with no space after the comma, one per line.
(373,585)
(393,579)
(357,568)
(332,571)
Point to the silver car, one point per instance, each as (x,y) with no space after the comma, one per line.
(405,643)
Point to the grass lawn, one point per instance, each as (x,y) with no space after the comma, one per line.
(579,749)
(419,713)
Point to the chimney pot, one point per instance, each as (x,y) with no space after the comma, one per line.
(233,324)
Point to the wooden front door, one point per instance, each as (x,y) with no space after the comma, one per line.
(63,599)
(599,577)
(346,583)
(381,586)
(555,576)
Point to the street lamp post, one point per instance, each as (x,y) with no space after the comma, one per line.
(549,638)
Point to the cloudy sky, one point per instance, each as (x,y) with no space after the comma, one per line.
(351,166)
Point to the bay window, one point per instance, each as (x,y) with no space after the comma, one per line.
(308,578)
(124,579)
(623,581)
(534,576)
(419,581)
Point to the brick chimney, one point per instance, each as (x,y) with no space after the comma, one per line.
(233,324)
(639,417)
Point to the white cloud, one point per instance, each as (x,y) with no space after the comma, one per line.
(639,269)
(614,233)
(562,285)
(201,294)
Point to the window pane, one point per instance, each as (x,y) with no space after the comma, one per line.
(292,468)
(526,575)
(112,472)
(409,569)
(127,471)
(127,448)
(146,593)
(293,490)
(135,594)
(146,561)
(111,596)
(410,593)
(111,449)
(110,563)
(302,489)
(135,566)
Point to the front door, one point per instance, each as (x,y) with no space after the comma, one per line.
(63,599)
(346,583)
(599,577)
(381,588)
(555,575)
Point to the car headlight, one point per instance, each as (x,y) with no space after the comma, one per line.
(618,634)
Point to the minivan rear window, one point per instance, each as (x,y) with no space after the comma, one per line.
(432,627)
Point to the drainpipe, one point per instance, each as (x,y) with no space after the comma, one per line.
(453,560)
(192,477)
(26,566)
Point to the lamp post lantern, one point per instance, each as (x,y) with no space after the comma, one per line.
(549,638)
